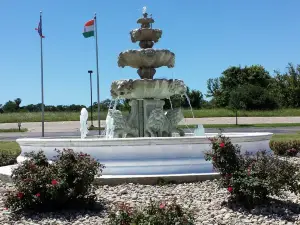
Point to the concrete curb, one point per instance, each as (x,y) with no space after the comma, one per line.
(155,179)
(5,176)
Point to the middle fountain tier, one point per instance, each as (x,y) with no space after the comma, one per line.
(147,95)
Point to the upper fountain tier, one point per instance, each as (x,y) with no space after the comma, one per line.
(145,35)
(147,58)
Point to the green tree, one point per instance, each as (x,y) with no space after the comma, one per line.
(18,103)
(196,98)
(233,77)
(254,97)
(9,106)
(286,86)
(236,102)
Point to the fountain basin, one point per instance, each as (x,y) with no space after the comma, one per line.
(147,58)
(146,88)
(147,156)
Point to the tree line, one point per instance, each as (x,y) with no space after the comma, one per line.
(195,96)
(249,88)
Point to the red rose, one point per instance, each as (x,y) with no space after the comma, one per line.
(54,182)
(230,189)
(20,195)
(37,194)
(32,166)
(222,145)
(162,205)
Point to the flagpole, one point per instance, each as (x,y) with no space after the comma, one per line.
(42,79)
(97,67)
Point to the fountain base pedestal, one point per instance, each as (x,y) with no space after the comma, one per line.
(140,112)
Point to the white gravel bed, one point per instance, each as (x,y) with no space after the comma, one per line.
(204,198)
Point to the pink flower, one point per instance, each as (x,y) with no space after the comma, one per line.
(20,195)
(230,189)
(54,182)
(162,205)
(32,166)
(37,194)
(222,145)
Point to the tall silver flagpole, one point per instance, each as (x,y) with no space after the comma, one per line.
(42,76)
(97,67)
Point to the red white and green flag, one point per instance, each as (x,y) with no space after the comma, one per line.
(89,29)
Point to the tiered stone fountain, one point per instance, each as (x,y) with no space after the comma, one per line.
(149,149)
(147,117)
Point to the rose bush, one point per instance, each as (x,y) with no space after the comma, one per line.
(156,213)
(251,179)
(224,156)
(67,182)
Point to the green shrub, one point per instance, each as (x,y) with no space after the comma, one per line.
(153,214)
(65,183)
(284,148)
(9,151)
(250,179)
(262,175)
(7,158)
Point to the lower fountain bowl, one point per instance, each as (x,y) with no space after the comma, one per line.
(147,156)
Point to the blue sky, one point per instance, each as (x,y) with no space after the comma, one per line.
(207,37)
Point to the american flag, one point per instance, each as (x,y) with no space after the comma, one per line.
(39,29)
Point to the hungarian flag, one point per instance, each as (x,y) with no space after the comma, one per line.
(89,29)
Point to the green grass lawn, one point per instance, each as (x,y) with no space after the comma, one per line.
(266,125)
(10,147)
(286,137)
(10,130)
(74,116)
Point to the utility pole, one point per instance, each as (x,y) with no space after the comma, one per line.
(90,72)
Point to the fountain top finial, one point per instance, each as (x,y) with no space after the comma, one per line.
(145,21)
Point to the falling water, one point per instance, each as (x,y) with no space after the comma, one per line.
(110,103)
(188,99)
(109,122)
(116,103)
(170,103)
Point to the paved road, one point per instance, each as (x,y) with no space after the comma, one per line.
(73,126)
(14,136)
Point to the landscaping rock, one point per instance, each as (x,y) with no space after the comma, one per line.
(204,198)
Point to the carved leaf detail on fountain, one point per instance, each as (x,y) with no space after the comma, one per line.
(147,58)
(147,89)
